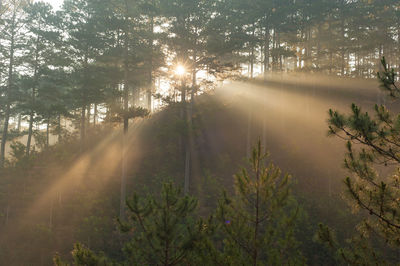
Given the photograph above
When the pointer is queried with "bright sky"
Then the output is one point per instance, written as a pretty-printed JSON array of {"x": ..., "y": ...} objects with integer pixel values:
[{"x": 55, "y": 3}]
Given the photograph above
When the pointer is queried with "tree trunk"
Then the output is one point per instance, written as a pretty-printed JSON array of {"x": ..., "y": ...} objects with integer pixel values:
[
  {"x": 19, "y": 123},
  {"x": 249, "y": 127},
  {"x": 398, "y": 49},
  {"x": 264, "y": 131},
  {"x": 59, "y": 128},
  {"x": 252, "y": 53},
  {"x": 95, "y": 115},
  {"x": 266, "y": 52},
  {"x": 151, "y": 78},
  {"x": 83, "y": 124},
  {"x": 89, "y": 114},
  {"x": 51, "y": 215},
  {"x": 48, "y": 131},
  {"x": 257, "y": 210},
  {"x": 319, "y": 48},
  {"x": 184, "y": 139},
  {"x": 84, "y": 103},
  {"x": 188, "y": 142},
  {"x": 126, "y": 126},
  {"x": 30, "y": 131},
  {"x": 308, "y": 49},
  {"x": 274, "y": 58},
  {"x": 342, "y": 51},
  {"x": 33, "y": 98}
]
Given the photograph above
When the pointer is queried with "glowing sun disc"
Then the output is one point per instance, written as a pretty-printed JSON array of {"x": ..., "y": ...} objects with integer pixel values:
[{"x": 180, "y": 70}]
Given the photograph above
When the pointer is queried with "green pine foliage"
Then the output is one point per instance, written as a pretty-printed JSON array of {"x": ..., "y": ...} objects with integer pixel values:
[
  {"x": 256, "y": 226},
  {"x": 83, "y": 256},
  {"x": 163, "y": 231},
  {"x": 372, "y": 160},
  {"x": 93, "y": 63},
  {"x": 259, "y": 222}
]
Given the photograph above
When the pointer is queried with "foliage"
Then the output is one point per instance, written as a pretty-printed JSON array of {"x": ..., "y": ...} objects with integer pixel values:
[
  {"x": 118, "y": 114},
  {"x": 255, "y": 227},
  {"x": 96, "y": 61},
  {"x": 164, "y": 231},
  {"x": 372, "y": 144},
  {"x": 358, "y": 250},
  {"x": 259, "y": 223},
  {"x": 17, "y": 151},
  {"x": 83, "y": 257},
  {"x": 388, "y": 79}
]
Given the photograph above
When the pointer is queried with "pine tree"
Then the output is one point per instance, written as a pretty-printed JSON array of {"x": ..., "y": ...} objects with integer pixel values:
[
  {"x": 83, "y": 45},
  {"x": 83, "y": 256},
  {"x": 10, "y": 37},
  {"x": 40, "y": 56},
  {"x": 372, "y": 143},
  {"x": 164, "y": 231},
  {"x": 259, "y": 221}
]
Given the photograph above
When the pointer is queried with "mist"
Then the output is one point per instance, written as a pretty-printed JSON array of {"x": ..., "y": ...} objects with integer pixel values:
[{"x": 199, "y": 132}]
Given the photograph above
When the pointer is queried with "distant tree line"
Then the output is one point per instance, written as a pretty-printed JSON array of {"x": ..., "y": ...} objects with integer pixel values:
[{"x": 99, "y": 58}]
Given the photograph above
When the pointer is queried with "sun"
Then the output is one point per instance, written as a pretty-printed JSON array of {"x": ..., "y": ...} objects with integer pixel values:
[{"x": 180, "y": 70}]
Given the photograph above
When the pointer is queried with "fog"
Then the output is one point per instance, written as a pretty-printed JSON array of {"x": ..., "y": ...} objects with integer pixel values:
[{"x": 289, "y": 116}]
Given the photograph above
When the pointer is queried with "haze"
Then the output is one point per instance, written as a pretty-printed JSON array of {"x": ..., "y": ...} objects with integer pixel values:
[{"x": 199, "y": 132}]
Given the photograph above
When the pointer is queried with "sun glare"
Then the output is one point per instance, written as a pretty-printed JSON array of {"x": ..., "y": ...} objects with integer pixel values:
[{"x": 180, "y": 70}]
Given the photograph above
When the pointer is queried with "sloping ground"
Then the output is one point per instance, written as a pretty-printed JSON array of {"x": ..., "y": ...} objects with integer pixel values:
[{"x": 65, "y": 195}]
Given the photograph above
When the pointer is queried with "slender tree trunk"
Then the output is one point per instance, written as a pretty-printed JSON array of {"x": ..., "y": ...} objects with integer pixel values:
[
  {"x": 95, "y": 115},
  {"x": 19, "y": 123},
  {"x": 343, "y": 60},
  {"x": 274, "y": 58},
  {"x": 319, "y": 48},
  {"x": 83, "y": 124},
  {"x": 249, "y": 128},
  {"x": 7, "y": 110},
  {"x": 280, "y": 56},
  {"x": 51, "y": 215},
  {"x": 371, "y": 58},
  {"x": 89, "y": 110},
  {"x": 84, "y": 102},
  {"x": 398, "y": 49},
  {"x": 264, "y": 135},
  {"x": 151, "y": 78},
  {"x": 343, "y": 50},
  {"x": 184, "y": 139},
  {"x": 264, "y": 129},
  {"x": 308, "y": 48},
  {"x": 330, "y": 49},
  {"x": 189, "y": 140},
  {"x": 30, "y": 130},
  {"x": 33, "y": 99},
  {"x": 252, "y": 53},
  {"x": 187, "y": 164},
  {"x": 126, "y": 124},
  {"x": 48, "y": 131},
  {"x": 257, "y": 209},
  {"x": 59, "y": 128}
]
